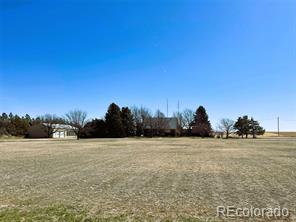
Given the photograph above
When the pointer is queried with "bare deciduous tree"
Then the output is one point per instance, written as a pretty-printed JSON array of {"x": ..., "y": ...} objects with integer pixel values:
[
  {"x": 77, "y": 119},
  {"x": 49, "y": 121},
  {"x": 226, "y": 126},
  {"x": 180, "y": 118},
  {"x": 187, "y": 117},
  {"x": 159, "y": 123},
  {"x": 142, "y": 119}
]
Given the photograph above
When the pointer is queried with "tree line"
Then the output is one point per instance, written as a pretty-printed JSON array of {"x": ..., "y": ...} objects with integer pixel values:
[{"x": 129, "y": 122}]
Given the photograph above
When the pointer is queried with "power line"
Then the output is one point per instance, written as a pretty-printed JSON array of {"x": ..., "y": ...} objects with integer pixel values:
[{"x": 267, "y": 119}]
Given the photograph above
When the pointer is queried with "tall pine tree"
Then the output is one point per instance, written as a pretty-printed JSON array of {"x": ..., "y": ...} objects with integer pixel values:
[
  {"x": 201, "y": 125},
  {"x": 127, "y": 121},
  {"x": 114, "y": 122}
]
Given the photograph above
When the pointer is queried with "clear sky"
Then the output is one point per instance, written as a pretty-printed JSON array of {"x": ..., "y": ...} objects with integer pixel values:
[{"x": 234, "y": 57}]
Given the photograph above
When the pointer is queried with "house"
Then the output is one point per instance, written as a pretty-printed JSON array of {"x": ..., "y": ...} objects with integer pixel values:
[
  {"x": 64, "y": 131},
  {"x": 56, "y": 131},
  {"x": 162, "y": 127}
]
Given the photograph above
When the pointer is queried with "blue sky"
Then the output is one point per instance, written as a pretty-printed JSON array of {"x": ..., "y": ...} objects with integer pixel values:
[{"x": 233, "y": 57}]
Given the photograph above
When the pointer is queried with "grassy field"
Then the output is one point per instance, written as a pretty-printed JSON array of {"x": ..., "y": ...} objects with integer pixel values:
[
  {"x": 182, "y": 179},
  {"x": 282, "y": 134}
]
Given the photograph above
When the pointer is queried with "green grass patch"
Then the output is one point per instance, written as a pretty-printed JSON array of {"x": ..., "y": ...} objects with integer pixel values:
[
  {"x": 61, "y": 213},
  {"x": 51, "y": 213}
]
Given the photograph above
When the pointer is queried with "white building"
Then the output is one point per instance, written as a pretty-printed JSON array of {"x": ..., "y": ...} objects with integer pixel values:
[
  {"x": 62, "y": 131},
  {"x": 59, "y": 131}
]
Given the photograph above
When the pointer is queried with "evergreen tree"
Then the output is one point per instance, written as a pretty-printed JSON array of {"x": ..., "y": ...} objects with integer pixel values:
[
  {"x": 242, "y": 126},
  {"x": 4, "y": 116},
  {"x": 255, "y": 128},
  {"x": 201, "y": 125},
  {"x": 4, "y": 121},
  {"x": 14, "y": 125},
  {"x": 28, "y": 119},
  {"x": 17, "y": 126},
  {"x": 128, "y": 122},
  {"x": 11, "y": 128},
  {"x": 10, "y": 116},
  {"x": 245, "y": 126},
  {"x": 113, "y": 122},
  {"x": 94, "y": 129}
]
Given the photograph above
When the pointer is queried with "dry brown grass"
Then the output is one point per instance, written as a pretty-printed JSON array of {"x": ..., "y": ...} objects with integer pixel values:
[
  {"x": 282, "y": 134},
  {"x": 148, "y": 178}
]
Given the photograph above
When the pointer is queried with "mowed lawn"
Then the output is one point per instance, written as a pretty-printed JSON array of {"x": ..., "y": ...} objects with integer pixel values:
[{"x": 143, "y": 179}]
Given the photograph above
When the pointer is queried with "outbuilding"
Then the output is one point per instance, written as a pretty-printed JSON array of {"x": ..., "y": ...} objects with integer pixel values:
[{"x": 58, "y": 131}]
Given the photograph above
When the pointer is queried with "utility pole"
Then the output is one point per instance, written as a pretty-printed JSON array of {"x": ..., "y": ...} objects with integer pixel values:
[
  {"x": 167, "y": 108},
  {"x": 278, "y": 124},
  {"x": 178, "y": 107}
]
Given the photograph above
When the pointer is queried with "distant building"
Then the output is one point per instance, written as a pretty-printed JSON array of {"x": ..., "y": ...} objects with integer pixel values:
[
  {"x": 60, "y": 131},
  {"x": 162, "y": 127}
]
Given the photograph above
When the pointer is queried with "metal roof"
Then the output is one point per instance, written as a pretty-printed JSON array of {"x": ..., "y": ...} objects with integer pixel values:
[{"x": 61, "y": 126}]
